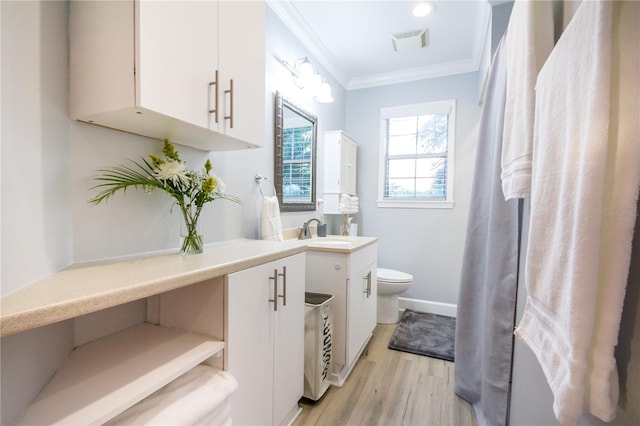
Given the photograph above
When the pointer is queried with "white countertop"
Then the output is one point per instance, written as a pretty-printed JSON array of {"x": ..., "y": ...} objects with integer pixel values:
[{"x": 89, "y": 287}]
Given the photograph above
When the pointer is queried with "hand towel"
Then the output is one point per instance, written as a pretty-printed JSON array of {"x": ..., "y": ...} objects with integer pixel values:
[
  {"x": 185, "y": 401},
  {"x": 529, "y": 40},
  {"x": 270, "y": 224},
  {"x": 584, "y": 166},
  {"x": 219, "y": 416}
]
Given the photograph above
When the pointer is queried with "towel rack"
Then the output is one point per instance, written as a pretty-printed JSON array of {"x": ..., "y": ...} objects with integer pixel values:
[{"x": 259, "y": 179}]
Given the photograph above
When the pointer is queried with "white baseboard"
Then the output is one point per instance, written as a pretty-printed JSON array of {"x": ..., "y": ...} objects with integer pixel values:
[{"x": 428, "y": 306}]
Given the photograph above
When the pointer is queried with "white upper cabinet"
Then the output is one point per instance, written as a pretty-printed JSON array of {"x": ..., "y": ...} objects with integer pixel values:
[
  {"x": 340, "y": 163},
  {"x": 155, "y": 68},
  {"x": 242, "y": 50},
  {"x": 339, "y": 173}
]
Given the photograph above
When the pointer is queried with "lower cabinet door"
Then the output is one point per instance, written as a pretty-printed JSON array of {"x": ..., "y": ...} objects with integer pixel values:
[
  {"x": 362, "y": 310},
  {"x": 289, "y": 339},
  {"x": 249, "y": 339}
]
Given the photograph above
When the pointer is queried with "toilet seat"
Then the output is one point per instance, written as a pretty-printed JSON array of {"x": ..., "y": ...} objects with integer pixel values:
[{"x": 393, "y": 276}]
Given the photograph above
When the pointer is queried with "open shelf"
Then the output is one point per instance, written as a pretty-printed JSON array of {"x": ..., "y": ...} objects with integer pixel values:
[{"x": 103, "y": 378}]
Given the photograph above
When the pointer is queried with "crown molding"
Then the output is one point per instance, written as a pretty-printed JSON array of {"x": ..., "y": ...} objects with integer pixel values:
[
  {"x": 298, "y": 26},
  {"x": 412, "y": 74}
]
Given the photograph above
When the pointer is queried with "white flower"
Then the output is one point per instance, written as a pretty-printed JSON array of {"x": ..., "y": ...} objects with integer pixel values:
[
  {"x": 175, "y": 171},
  {"x": 220, "y": 186}
]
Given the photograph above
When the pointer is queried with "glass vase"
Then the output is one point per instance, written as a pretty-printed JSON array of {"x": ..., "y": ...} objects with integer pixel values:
[{"x": 190, "y": 237}]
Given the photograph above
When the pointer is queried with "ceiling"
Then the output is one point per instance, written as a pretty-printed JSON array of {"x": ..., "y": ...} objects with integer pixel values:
[{"x": 352, "y": 39}]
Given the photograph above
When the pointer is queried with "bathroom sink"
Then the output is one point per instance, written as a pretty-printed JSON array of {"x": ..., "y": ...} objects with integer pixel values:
[
  {"x": 324, "y": 242},
  {"x": 331, "y": 243}
]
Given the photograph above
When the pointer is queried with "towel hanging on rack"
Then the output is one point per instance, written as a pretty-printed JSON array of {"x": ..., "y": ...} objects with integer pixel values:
[{"x": 270, "y": 223}]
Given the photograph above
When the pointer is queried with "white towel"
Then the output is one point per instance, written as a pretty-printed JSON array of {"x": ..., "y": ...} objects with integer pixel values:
[
  {"x": 189, "y": 399},
  {"x": 528, "y": 42},
  {"x": 349, "y": 204},
  {"x": 584, "y": 189},
  {"x": 270, "y": 224},
  {"x": 621, "y": 189}
]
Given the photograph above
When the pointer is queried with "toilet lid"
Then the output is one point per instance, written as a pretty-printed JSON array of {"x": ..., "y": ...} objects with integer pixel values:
[{"x": 393, "y": 276}]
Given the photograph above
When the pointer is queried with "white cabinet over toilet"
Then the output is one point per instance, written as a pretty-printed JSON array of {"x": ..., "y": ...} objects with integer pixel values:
[
  {"x": 167, "y": 69},
  {"x": 265, "y": 340},
  {"x": 339, "y": 171}
]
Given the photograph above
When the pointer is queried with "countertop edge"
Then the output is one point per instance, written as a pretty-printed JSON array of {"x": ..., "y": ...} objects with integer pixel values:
[
  {"x": 18, "y": 315},
  {"x": 38, "y": 316}
]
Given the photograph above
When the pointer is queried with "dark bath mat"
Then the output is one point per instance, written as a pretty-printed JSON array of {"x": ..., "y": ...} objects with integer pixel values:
[{"x": 425, "y": 334}]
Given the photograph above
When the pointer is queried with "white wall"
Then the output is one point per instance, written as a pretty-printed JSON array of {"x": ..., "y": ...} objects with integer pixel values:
[
  {"x": 427, "y": 243},
  {"x": 36, "y": 207}
]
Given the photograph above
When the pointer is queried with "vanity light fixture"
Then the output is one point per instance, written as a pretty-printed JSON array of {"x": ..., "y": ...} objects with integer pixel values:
[{"x": 305, "y": 77}]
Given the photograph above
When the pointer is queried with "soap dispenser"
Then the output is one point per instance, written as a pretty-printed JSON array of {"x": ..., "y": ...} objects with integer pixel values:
[{"x": 346, "y": 225}]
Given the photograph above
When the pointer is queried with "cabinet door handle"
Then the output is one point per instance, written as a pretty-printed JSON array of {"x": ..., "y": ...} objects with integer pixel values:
[
  {"x": 274, "y": 278},
  {"x": 215, "y": 85},
  {"x": 230, "y": 92},
  {"x": 368, "y": 289},
  {"x": 284, "y": 286}
]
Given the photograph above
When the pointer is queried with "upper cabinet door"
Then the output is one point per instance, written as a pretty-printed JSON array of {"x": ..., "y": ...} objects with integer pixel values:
[
  {"x": 348, "y": 166},
  {"x": 176, "y": 58},
  {"x": 340, "y": 163},
  {"x": 242, "y": 52}
]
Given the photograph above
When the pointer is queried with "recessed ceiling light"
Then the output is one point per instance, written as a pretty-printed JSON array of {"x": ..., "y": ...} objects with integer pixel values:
[{"x": 423, "y": 9}]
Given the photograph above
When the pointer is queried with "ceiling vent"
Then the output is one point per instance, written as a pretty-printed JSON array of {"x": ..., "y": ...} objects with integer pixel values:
[{"x": 411, "y": 40}]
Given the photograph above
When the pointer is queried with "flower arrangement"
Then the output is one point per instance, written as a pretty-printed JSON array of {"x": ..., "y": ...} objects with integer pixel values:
[{"x": 190, "y": 189}]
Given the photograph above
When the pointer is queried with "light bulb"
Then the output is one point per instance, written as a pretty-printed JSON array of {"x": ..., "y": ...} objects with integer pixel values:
[
  {"x": 306, "y": 73},
  {"x": 324, "y": 94}
]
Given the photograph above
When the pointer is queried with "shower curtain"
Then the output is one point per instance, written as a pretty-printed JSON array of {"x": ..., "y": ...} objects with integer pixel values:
[{"x": 486, "y": 301}]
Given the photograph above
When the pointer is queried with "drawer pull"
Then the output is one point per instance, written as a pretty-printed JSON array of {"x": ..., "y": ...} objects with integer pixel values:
[
  {"x": 367, "y": 291},
  {"x": 274, "y": 278},
  {"x": 214, "y": 111},
  {"x": 230, "y": 92},
  {"x": 284, "y": 286}
]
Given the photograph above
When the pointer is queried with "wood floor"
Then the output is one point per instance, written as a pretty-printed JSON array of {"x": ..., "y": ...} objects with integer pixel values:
[{"x": 391, "y": 388}]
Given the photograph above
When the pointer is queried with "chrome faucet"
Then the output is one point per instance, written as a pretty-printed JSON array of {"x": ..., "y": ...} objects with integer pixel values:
[{"x": 305, "y": 232}]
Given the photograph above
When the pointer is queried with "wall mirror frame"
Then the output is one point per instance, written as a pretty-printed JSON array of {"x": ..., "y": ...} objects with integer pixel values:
[{"x": 296, "y": 140}]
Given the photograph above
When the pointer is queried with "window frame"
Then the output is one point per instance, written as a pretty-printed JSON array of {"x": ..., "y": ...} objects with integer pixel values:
[{"x": 426, "y": 108}]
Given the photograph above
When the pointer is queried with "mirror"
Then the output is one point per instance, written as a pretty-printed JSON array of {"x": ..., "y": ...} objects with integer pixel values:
[{"x": 296, "y": 133}]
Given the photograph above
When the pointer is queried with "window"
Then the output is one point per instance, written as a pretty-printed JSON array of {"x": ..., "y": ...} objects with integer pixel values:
[
  {"x": 416, "y": 155},
  {"x": 296, "y": 163}
]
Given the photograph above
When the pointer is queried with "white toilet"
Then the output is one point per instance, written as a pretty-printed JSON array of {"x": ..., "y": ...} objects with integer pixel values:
[{"x": 390, "y": 284}]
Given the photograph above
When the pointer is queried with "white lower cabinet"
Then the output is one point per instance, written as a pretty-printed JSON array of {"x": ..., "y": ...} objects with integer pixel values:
[
  {"x": 352, "y": 279},
  {"x": 264, "y": 333}
]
